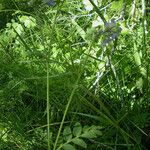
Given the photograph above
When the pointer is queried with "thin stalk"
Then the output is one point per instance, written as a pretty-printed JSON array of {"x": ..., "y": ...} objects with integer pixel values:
[
  {"x": 48, "y": 109},
  {"x": 144, "y": 23},
  {"x": 48, "y": 100},
  {"x": 65, "y": 113},
  {"x": 98, "y": 12}
]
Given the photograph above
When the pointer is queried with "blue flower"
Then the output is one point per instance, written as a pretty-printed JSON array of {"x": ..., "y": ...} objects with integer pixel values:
[{"x": 51, "y": 3}]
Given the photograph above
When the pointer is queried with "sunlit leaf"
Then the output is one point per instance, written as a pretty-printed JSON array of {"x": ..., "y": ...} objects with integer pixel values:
[
  {"x": 28, "y": 21},
  {"x": 139, "y": 83},
  {"x": 117, "y": 5}
]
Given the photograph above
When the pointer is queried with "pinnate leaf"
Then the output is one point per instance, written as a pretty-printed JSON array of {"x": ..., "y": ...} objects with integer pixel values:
[
  {"x": 86, "y": 128},
  {"x": 89, "y": 135},
  {"x": 91, "y": 132},
  {"x": 77, "y": 129},
  {"x": 79, "y": 142},
  {"x": 67, "y": 134},
  {"x": 68, "y": 147}
]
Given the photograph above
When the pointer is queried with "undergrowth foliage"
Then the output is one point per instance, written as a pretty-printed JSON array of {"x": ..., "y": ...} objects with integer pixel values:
[
  {"x": 76, "y": 136},
  {"x": 74, "y": 75}
]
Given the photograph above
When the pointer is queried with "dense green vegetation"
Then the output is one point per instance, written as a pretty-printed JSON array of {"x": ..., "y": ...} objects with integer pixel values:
[{"x": 74, "y": 75}]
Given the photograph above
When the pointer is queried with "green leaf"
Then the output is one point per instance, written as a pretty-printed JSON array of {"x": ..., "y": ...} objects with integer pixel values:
[
  {"x": 90, "y": 34},
  {"x": 89, "y": 135},
  {"x": 79, "y": 142},
  {"x": 137, "y": 58},
  {"x": 77, "y": 129},
  {"x": 79, "y": 29},
  {"x": 86, "y": 128},
  {"x": 68, "y": 147},
  {"x": 98, "y": 132},
  {"x": 67, "y": 134},
  {"x": 143, "y": 72},
  {"x": 28, "y": 21},
  {"x": 139, "y": 83},
  {"x": 91, "y": 132},
  {"x": 117, "y": 5},
  {"x": 125, "y": 30}
]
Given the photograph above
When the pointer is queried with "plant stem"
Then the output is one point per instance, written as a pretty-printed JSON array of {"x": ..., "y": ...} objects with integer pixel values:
[
  {"x": 98, "y": 12},
  {"x": 65, "y": 113},
  {"x": 48, "y": 109}
]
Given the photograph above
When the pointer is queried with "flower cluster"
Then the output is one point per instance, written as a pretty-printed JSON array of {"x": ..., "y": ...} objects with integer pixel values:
[{"x": 111, "y": 32}]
